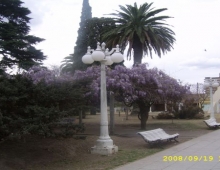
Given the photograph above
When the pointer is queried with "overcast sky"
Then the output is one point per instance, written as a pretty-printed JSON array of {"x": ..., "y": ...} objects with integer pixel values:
[{"x": 196, "y": 23}]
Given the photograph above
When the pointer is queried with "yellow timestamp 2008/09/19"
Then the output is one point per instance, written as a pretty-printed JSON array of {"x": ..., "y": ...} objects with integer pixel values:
[{"x": 188, "y": 158}]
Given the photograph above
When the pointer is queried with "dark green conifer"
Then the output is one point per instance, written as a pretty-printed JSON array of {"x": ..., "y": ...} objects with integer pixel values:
[
  {"x": 90, "y": 32},
  {"x": 82, "y": 39},
  {"x": 16, "y": 46}
]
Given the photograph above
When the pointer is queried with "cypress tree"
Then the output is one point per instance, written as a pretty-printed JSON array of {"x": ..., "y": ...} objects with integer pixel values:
[
  {"x": 82, "y": 39},
  {"x": 89, "y": 33}
]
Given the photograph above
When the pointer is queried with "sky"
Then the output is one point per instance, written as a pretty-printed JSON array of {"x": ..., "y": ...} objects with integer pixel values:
[{"x": 196, "y": 23}]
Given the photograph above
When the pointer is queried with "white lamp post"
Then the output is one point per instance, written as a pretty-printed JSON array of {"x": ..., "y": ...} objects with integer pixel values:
[
  {"x": 104, "y": 144},
  {"x": 211, "y": 83}
]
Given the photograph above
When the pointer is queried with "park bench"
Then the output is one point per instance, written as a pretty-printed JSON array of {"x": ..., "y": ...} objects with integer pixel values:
[
  {"x": 157, "y": 136},
  {"x": 212, "y": 123}
]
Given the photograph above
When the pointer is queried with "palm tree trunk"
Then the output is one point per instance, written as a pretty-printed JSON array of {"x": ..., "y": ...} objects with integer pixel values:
[{"x": 138, "y": 51}]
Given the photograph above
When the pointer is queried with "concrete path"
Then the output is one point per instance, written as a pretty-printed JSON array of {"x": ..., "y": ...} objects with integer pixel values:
[{"x": 201, "y": 153}]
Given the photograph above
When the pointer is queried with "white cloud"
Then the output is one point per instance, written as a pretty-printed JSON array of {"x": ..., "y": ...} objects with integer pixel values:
[{"x": 196, "y": 24}]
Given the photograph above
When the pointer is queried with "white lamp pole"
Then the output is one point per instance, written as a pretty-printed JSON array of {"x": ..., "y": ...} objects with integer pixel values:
[
  {"x": 104, "y": 144},
  {"x": 211, "y": 83}
]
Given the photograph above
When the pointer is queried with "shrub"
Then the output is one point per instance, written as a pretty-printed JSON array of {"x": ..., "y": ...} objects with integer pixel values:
[
  {"x": 189, "y": 110},
  {"x": 200, "y": 115},
  {"x": 34, "y": 108},
  {"x": 165, "y": 115}
]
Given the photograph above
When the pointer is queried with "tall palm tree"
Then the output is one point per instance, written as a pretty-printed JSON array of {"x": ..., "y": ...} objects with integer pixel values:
[{"x": 139, "y": 28}]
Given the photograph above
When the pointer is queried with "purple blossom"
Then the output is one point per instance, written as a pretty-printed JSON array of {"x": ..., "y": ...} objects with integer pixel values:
[
  {"x": 38, "y": 74},
  {"x": 132, "y": 84}
]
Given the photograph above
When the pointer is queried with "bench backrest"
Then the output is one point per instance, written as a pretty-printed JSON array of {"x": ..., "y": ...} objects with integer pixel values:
[
  {"x": 153, "y": 135},
  {"x": 150, "y": 135},
  {"x": 156, "y": 134},
  {"x": 210, "y": 122}
]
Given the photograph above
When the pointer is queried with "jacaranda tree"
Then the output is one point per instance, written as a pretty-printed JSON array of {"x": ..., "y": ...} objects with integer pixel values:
[{"x": 138, "y": 85}]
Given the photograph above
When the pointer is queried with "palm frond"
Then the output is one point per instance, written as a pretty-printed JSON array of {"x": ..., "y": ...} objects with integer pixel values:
[
  {"x": 152, "y": 13},
  {"x": 152, "y": 31}
]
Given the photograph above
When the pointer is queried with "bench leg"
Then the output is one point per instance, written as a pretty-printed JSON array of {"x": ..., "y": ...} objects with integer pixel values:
[
  {"x": 154, "y": 143},
  {"x": 176, "y": 140}
]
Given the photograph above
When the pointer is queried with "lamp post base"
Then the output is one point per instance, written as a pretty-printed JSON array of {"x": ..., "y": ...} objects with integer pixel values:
[
  {"x": 104, "y": 147},
  {"x": 109, "y": 150}
]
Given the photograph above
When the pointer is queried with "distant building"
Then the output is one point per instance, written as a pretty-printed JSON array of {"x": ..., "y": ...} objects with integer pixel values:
[{"x": 216, "y": 96}]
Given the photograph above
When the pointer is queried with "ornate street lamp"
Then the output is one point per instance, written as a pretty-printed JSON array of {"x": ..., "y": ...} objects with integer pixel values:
[
  {"x": 104, "y": 144},
  {"x": 211, "y": 83}
]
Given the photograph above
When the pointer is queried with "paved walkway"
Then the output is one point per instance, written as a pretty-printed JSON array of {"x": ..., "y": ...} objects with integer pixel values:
[{"x": 201, "y": 153}]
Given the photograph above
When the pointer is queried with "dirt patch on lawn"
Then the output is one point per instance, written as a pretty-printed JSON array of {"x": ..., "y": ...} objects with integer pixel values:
[{"x": 74, "y": 154}]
